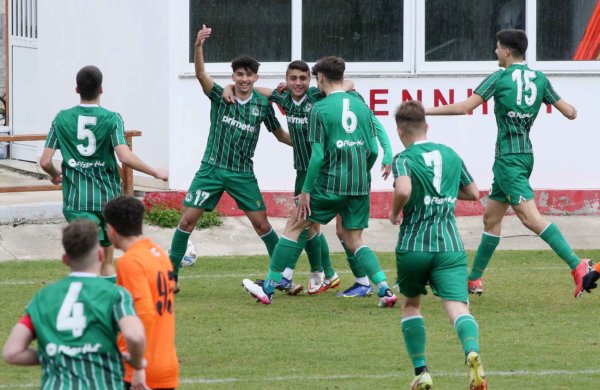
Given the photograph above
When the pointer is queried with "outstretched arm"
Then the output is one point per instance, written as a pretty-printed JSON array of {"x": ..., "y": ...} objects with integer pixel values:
[
  {"x": 461, "y": 108},
  {"x": 205, "y": 80},
  {"x": 127, "y": 157},
  {"x": 566, "y": 109}
]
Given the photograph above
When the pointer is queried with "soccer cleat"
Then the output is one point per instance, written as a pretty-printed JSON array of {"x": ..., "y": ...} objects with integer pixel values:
[
  {"x": 357, "y": 290},
  {"x": 177, "y": 288},
  {"x": 578, "y": 273},
  {"x": 422, "y": 382},
  {"x": 315, "y": 281},
  {"x": 285, "y": 285},
  {"x": 388, "y": 299},
  {"x": 332, "y": 282},
  {"x": 477, "y": 379},
  {"x": 475, "y": 286},
  {"x": 257, "y": 292}
]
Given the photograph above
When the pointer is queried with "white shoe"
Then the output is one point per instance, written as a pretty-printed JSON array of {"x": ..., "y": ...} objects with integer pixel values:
[
  {"x": 315, "y": 281},
  {"x": 257, "y": 292}
]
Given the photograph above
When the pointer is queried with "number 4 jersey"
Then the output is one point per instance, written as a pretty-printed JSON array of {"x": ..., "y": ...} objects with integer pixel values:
[
  {"x": 436, "y": 173},
  {"x": 75, "y": 321},
  {"x": 518, "y": 93},
  {"x": 86, "y": 136},
  {"x": 146, "y": 272}
]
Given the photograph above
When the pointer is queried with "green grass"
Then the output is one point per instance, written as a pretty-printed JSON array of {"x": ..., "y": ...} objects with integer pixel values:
[{"x": 534, "y": 335}]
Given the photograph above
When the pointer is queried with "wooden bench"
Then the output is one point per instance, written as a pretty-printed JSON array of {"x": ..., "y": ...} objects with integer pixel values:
[{"x": 126, "y": 172}]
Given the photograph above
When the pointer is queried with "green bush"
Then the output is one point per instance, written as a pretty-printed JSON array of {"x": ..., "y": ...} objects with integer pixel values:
[{"x": 165, "y": 217}]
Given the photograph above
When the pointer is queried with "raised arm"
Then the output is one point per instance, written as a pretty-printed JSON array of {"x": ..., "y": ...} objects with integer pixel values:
[
  {"x": 566, "y": 109},
  {"x": 461, "y": 108},
  {"x": 205, "y": 80}
]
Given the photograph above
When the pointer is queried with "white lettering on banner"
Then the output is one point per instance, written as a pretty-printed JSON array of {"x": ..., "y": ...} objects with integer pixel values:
[
  {"x": 242, "y": 126},
  {"x": 346, "y": 143},
  {"x": 84, "y": 165},
  {"x": 512, "y": 114},
  {"x": 52, "y": 349},
  {"x": 428, "y": 200}
]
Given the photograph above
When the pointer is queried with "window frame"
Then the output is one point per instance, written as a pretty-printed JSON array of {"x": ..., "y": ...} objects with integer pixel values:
[{"x": 413, "y": 63}]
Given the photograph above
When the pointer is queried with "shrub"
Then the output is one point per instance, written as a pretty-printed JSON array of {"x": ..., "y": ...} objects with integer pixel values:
[{"x": 165, "y": 217}]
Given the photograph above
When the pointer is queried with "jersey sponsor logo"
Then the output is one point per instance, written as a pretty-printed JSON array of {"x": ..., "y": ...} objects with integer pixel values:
[
  {"x": 52, "y": 349},
  {"x": 84, "y": 165},
  {"x": 512, "y": 114},
  {"x": 348, "y": 144},
  {"x": 235, "y": 123},
  {"x": 296, "y": 120},
  {"x": 429, "y": 200}
]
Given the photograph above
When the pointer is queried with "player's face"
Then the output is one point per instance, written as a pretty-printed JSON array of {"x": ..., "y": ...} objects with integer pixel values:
[
  {"x": 244, "y": 79},
  {"x": 297, "y": 82},
  {"x": 501, "y": 53}
]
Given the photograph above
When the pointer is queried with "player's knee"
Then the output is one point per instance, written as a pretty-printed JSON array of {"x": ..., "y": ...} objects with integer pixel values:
[
  {"x": 262, "y": 227},
  {"x": 188, "y": 221}
]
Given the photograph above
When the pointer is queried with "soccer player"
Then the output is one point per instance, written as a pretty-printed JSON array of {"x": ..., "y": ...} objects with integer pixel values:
[
  {"x": 343, "y": 150},
  {"x": 227, "y": 163},
  {"x": 297, "y": 100},
  {"x": 76, "y": 321},
  {"x": 518, "y": 93},
  {"x": 88, "y": 137},
  {"x": 428, "y": 178},
  {"x": 146, "y": 272}
]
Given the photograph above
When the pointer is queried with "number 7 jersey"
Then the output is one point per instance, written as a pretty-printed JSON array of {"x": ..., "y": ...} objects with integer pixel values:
[
  {"x": 518, "y": 93},
  {"x": 86, "y": 136},
  {"x": 436, "y": 173}
]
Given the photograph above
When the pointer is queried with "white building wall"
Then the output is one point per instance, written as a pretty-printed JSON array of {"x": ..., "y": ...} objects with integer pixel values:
[{"x": 141, "y": 48}]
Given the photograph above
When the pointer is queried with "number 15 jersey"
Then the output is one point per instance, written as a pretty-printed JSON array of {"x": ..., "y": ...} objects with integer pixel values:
[{"x": 518, "y": 93}]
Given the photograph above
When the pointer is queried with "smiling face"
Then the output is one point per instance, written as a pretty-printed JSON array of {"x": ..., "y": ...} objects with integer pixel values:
[
  {"x": 298, "y": 82},
  {"x": 244, "y": 80}
]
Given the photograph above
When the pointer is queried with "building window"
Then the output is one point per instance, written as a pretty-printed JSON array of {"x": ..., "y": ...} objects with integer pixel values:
[
  {"x": 568, "y": 30},
  {"x": 464, "y": 30},
  {"x": 356, "y": 30},
  {"x": 260, "y": 29}
]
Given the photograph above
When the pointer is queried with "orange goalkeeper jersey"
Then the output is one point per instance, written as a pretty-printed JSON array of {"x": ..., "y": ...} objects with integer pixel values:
[{"x": 146, "y": 272}]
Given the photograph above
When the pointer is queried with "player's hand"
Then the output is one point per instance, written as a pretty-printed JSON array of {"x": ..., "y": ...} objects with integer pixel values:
[
  {"x": 202, "y": 35},
  {"x": 589, "y": 280},
  {"x": 162, "y": 174},
  {"x": 303, "y": 205},
  {"x": 138, "y": 380},
  {"x": 228, "y": 94},
  {"x": 385, "y": 171},
  {"x": 56, "y": 180},
  {"x": 282, "y": 87},
  {"x": 394, "y": 219}
]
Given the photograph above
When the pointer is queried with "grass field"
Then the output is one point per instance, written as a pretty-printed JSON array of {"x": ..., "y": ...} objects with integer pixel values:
[{"x": 534, "y": 334}]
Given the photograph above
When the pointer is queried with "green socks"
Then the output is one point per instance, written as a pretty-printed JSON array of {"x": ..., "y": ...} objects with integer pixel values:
[
  {"x": 413, "y": 331},
  {"x": 559, "y": 245},
  {"x": 486, "y": 249},
  {"x": 325, "y": 259},
  {"x": 283, "y": 252},
  {"x": 270, "y": 239},
  {"x": 468, "y": 332},
  {"x": 357, "y": 270},
  {"x": 368, "y": 261},
  {"x": 313, "y": 251},
  {"x": 178, "y": 248}
]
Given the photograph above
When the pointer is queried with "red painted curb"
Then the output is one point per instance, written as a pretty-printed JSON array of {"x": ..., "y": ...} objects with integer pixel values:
[{"x": 279, "y": 204}]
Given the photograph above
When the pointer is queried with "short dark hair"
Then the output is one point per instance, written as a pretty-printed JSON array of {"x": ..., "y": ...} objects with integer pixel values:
[
  {"x": 89, "y": 82},
  {"x": 79, "y": 239},
  {"x": 515, "y": 40},
  {"x": 245, "y": 62},
  {"x": 410, "y": 115},
  {"x": 125, "y": 214},
  {"x": 298, "y": 65},
  {"x": 331, "y": 67}
]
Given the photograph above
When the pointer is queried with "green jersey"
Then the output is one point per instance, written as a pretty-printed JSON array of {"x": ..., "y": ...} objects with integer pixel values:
[
  {"x": 234, "y": 130},
  {"x": 76, "y": 325},
  {"x": 86, "y": 136},
  {"x": 342, "y": 123},
  {"x": 518, "y": 94},
  {"x": 297, "y": 114},
  {"x": 436, "y": 173}
]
